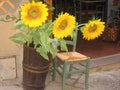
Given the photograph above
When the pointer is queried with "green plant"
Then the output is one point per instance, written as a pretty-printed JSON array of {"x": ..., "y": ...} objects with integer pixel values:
[{"x": 40, "y": 37}]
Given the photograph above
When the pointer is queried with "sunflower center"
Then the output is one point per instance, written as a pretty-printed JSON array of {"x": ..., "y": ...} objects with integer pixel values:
[
  {"x": 92, "y": 28},
  {"x": 33, "y": 12},
  {"x": 63, "y": 24}
]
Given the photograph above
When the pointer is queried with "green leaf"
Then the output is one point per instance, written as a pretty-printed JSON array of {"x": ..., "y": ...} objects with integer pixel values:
[
  {"x": 45, "y": 39},
  {"x": 82, "y": 28},
  {"x": 36, "y": 38},
  {"x": 42, "y": 52},
  {"x": 63, "y": 45},
  {"x": 19, "y": 25},
  {"x": 13, "y": 18},
  {"x": 7, "y": 17},
  {"x": 74, "y": 35},
  {"x": 53, "y": 51},
  {"x": 55, "y": 42},
  {"x": 19, "y": 38},
  {"x": 29, "y": 38},
  {"x": 47, "y": 27},
  {"x": 52, "y": 8}
]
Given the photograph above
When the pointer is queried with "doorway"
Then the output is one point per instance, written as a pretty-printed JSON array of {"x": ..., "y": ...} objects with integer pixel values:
[{"x": 80, "y": 8}]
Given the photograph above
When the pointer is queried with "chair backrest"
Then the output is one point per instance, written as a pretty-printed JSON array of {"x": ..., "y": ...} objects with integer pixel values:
[{"x": 73, "y": 41}]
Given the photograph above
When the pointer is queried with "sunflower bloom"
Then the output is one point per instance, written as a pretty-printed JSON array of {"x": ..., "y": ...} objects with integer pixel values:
[
  {"x": 63, "y": 25},
  {"x": 34, "y": 14},
  {"x": 93, "y": 29}
]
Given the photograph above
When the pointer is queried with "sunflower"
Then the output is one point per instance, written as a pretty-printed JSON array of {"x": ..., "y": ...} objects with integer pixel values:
[
  {"x": 63, "y": 25},
  {"x": 34, "y": 14},
  {"x": 93, "y": 29}
]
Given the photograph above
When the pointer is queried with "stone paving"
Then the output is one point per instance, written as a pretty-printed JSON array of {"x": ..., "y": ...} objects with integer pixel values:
[{"x": 107, "y": 80}]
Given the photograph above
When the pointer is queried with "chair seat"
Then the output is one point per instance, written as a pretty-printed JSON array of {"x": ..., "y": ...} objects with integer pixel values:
[{"x": 71, "y": 56}]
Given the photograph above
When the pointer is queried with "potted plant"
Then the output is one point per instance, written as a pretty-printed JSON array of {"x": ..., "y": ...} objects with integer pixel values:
[
  {"x": 43, "y": 38},
  {"x": 40, "y": 38}
]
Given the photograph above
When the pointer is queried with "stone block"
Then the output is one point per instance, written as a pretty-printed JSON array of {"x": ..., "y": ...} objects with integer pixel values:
[{"x": 7, "y": 68}]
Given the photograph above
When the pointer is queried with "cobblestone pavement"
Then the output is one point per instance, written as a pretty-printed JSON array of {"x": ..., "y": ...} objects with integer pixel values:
[{"x": 107, "y": 80}]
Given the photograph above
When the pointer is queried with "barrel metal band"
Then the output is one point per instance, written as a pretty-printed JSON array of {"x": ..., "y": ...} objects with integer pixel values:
[
  {"x": 33, "y": 70},
  {"x": 28, "y": 66}
]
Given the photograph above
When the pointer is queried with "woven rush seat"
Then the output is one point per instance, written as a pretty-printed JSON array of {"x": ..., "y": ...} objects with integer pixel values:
[{"x": 71, "y": 56}]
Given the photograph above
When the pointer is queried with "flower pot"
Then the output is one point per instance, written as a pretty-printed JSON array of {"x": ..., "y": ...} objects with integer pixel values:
[{"x": 35, "y": 69}]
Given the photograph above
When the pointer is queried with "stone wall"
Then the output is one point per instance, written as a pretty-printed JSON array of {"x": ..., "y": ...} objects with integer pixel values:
[{"x": 11, "y": 54}]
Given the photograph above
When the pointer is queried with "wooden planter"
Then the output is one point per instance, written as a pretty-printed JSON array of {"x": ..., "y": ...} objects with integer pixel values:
[{"x": 35, "y": 69}]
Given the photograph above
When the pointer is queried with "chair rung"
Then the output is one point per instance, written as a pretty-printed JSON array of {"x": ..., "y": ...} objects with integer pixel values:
[
  {"x": 74, "y": 67},
  {"x": 69, "y": 42},
  {"x": 59, "y": 72},
  {"x": 60, "y": 66},
  {"x": 74, "y": 72},
  {"x": 82, "y": 64}
]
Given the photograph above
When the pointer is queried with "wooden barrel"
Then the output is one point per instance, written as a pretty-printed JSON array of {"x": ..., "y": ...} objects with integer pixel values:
[{"x": 35, "y": 69}]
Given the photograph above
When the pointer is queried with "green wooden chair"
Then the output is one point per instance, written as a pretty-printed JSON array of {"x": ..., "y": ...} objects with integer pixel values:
[{"x": 65, "y": 60}]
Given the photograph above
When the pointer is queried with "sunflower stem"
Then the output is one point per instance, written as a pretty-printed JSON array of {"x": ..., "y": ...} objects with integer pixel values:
[
  {"x": 28, "y": 33},
  {"x": 35, "y": 46},
  {"x": 22, "y": 31},
  {"x": 81, "y": 25}
]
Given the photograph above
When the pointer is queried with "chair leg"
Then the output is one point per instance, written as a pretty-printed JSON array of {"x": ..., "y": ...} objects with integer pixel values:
[
  {"x": 64, "y": 75},
  {"x": 87, "y": 74},
  {"x": 54, "y": 69},
  {"x": 70, "y": 69}
]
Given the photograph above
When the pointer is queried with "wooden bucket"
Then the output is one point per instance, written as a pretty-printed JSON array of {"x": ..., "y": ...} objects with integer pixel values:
[{"x": 35, "y": 69}]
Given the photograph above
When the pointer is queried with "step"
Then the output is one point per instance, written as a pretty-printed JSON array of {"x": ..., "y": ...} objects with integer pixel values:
[{"x": 105, "y": 63}]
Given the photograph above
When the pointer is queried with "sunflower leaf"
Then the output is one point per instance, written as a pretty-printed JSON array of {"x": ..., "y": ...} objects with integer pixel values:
[
  {"x": 55, "y": 42},
  {"x": 47, "y": 27},
  {"x": 42, "y": 52},
  {"x": 19, "y": 38},
  {"x": 63, "y": 45},
  {"x": 36, "y": 38},
  {"x": 54, "y": 47},
  {"x": 53, "y": 51},
  {"x": 82, "y": 28},
  {"x": 19, "y": 25}
]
